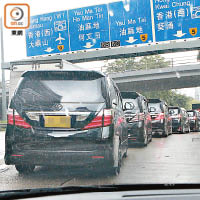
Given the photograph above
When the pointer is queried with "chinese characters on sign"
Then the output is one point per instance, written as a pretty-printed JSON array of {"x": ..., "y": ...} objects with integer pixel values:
[
  {"x": 48, "y": 34},
  {"x": 175, "y": 19},
  {"x": 116, "y": 24},
  {"x": 130, "y": 22},
  {"x": 88, "y": 27}
]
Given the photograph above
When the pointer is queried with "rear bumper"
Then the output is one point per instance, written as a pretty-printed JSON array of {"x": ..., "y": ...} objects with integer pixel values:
[
  {"x": 176, "y": 126},
  {"x": 72, "y": 148},
  {"x": 193, "y": 125},
  {"x": 157, "y": 127},
  {"x": 136, "y": 132},
  {"x": 68, "y": 158}
]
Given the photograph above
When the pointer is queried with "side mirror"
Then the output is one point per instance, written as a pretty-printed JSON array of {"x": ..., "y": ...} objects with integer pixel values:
[
  {"x": 129, "y": 106},
  {"x": 152, "y": 109},
  {"x": 171, "y": 112},
  {"x": 114, "y": 103}
]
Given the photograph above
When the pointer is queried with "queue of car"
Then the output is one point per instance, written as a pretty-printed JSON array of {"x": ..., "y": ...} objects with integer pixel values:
[
  {"x": 180, "y": 119},
  {"x": 80, "y": 117},
  {"x": 161, "y": 121},
  {"x": 194, "y": 117},
  {"x": 66, "y": 118},
  {"x": 138, "y": 118}
]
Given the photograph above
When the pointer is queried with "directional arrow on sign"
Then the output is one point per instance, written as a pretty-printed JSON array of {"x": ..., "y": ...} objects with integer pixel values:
[
  {"x": 49, "y": 49},
  {"x": 131, "y": 40},
  {"x": 179, "y": 34},
  {"x": 88, "y": 45}
]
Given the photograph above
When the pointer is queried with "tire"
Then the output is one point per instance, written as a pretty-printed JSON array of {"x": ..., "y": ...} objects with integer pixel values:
[
  {"x": 197, "y": 130},
  {"x": 114, "y": 171},
  {"x": 146, "y": 139},
  {"x": 25, "y": 169},
  {"x": 183, "y": 130},
  {"x": 165, "y": 132},
  {"x": 171, "y": 132},
  {"x": 150, "y": 138},
  {"x": 126, "y": 153},
  {"x": 188, "y": 130}
]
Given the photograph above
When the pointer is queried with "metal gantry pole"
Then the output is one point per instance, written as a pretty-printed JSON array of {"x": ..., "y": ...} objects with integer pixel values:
[{"x": 4, "y": 106}]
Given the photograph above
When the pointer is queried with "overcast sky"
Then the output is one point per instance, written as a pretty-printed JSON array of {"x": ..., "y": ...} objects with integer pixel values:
[{"x": 14, "y": 46}]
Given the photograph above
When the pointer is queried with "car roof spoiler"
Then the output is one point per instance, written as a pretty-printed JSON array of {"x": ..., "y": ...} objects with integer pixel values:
[
  {"x": 63, "y": 74},
  {"x": 130, "y": 95}
]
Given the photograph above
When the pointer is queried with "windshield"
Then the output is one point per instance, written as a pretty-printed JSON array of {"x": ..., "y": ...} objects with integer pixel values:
[
  {"x": 155, "y": 107},
  {"x": 45, "y": 91},
  {"x": 96, "y": 92},
  {"x": 191, "y": 114},
  {"x": 174, "y": 111}
]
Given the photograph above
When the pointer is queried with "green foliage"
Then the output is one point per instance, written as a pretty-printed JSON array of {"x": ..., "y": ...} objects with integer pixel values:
[
  {"x": 122, "y": 65},
  {"x": 131, "y": 64},
  {"x": 171, "y": 97},
  {"x": 151, "y": 62}
]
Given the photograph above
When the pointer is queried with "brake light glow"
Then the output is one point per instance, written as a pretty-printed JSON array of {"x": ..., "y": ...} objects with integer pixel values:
[
  {"x": 16, "y": 119},
  {"x": 107, "y": 117},
  {"x": 97, "y": 156},
  {"x": 104, "y": 118},
  {"x": 137, "y": 117},
  {"x": 160, "y": 116}
]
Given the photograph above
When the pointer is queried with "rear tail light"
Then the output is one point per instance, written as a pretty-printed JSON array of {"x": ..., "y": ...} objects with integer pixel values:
[
  {"x": 194, "y": 117},
  {"x": 15, "y": 119},
  {"x": 141, "y": 116},
  {"x": 107, "y": 117},
  {"x": 98, "y": 157},
  {"x": 104, "y": 118},
  {"x": 179, "y": 116},
  {"x": 160, "y": 116},
  {"x": 137, "y": 118}
]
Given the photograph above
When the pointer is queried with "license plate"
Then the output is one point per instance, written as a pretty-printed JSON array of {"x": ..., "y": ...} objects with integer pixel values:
[{"x": 57, "y": 122}]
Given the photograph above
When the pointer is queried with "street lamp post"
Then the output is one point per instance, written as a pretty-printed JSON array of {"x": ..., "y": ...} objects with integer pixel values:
[{"x": 3, "y": 75}]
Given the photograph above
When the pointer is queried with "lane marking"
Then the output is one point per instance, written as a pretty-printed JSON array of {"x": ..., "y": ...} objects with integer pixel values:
[{"x": 3, "y": 168}]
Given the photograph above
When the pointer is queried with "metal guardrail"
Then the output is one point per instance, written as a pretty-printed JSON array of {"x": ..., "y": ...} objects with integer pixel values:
[{"x": 184, "y": 60}]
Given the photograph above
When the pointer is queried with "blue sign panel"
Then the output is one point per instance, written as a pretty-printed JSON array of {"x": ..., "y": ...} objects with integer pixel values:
[
  {"x": 48, "y": 34},
  {"x": 88, "y": 27},
  {"x": 130, "y": 22},
  {"x": 176, "y": 19}
]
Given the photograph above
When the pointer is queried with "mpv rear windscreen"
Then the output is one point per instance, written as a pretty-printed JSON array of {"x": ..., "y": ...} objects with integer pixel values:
[{"x": 42, "y": 94}]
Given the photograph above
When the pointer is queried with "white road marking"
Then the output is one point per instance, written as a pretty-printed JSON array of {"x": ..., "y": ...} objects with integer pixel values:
[{"x": 3, "y": 168}]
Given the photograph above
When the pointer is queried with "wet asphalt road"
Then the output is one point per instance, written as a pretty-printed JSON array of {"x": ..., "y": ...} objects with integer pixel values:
[{"x": 175, "y": 159}]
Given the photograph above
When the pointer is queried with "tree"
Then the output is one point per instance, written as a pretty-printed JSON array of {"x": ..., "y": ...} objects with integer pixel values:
[
  {"x": 121, "y": 65},
  {"x": 131, "y": 64},
  {"x": 171, "y": 97},
  {"x": 151, "y": 62}
]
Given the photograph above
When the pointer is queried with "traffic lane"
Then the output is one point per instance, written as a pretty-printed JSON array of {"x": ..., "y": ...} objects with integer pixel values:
[{"x": 175, "y": 159}]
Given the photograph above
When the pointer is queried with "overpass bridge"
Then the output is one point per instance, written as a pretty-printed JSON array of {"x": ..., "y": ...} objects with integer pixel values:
[
  {"x": 183, "y": 72},
  {"x": 176, "y": 77}
]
